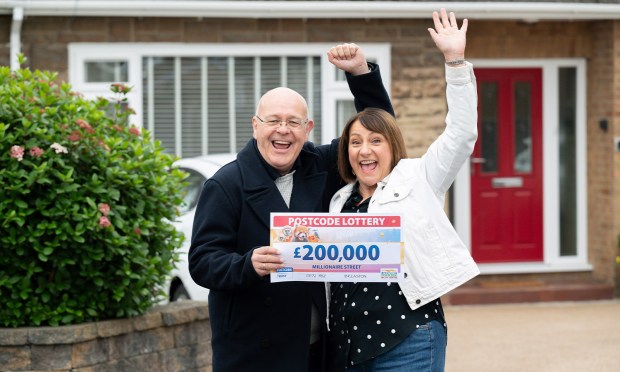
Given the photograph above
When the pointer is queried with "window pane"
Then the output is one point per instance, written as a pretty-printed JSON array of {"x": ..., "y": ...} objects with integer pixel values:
[
  {"x": 488, "y": 127},
  {"x": 163, "y": 102},
  {"x": 217, "y": 101},
  {"x": 568, "y": 163},
  {"x": 315, "y": 100},
  {"x": 244, "y": 99},
  {"x": 191, "y": 107},
  {"x": 523, "y": 128},
  {"x": 344, "y": 110},
  {"x": 106, "y": 72},
  {"x": 296, "y": 74},
  {"x": 269, "y": 74}
]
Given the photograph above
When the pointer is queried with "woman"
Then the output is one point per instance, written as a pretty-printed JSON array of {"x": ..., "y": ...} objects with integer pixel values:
[{"x": 401, "y": 327}]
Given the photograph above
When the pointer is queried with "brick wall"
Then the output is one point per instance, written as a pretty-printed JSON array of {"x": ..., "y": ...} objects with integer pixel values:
[
  {"x": 615, "y": 128},
  {"x": 600, "y": 153},
  {"x": 175, "y": 337}
]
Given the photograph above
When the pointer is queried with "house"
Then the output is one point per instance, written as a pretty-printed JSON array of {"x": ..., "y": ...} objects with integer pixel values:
[{"x": 539, "y": 202}]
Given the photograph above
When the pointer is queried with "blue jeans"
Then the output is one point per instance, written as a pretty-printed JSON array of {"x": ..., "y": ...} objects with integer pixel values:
[{"x": 424, "y": 350}]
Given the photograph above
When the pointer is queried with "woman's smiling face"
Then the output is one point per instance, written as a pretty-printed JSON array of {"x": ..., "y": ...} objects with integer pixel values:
[{"x": 370, "y": 155}]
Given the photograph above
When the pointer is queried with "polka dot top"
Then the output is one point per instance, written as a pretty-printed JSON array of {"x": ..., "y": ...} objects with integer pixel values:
[{"x": 368, "y": 319}]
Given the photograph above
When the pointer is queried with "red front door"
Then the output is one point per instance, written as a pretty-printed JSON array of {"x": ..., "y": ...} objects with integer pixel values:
[{"x": 506, "y": 169}]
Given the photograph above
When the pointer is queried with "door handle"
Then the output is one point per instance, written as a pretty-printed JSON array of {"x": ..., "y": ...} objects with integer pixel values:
[
  {"x": 503, "y": 182},
  {"x": 475, "y": 161}
]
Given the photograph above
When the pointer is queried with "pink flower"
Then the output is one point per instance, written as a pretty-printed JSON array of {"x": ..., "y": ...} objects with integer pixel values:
[
  {"x": 74, "y": 136},
  {"x": 104, "y": 208},
  {"x": 134, "y": 131},
  {"x": 120, "y": 88},
  {"x": 137, "y": 231},
  {"x": 17, "y": 152},
  {"x": 60, "y": 149},
  {"x": 36, "y": 152},
  {"x": 84, "y": 125},
  {"x": 104, "y": 222}
]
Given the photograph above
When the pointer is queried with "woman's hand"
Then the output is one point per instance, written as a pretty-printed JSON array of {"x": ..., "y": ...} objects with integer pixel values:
[{"x": 447, "y": 36}]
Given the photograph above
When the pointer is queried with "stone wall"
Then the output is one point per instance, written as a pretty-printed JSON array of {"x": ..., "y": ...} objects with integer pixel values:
[{"x": 174, "y": 337}]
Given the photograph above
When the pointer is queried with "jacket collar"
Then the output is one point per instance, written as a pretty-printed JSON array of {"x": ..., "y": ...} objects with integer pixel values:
[{"x": 343, "y": 194}]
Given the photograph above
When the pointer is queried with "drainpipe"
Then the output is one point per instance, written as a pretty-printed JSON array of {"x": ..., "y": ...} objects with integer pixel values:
[{"x": 16, "y": 29}]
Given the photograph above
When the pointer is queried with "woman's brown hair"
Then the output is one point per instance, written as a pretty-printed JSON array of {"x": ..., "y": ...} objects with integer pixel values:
[{"x": 378, "y": 121}]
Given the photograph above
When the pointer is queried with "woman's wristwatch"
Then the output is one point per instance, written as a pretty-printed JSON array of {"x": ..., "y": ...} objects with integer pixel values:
[{"x": 456, "y": 62}]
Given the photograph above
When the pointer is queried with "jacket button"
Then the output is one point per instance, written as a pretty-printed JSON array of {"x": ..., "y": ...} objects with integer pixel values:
[
  {"x": 265, "y": 343},
  {"x": 417, "y": 301},
  {"x": 268, "y": 301},
  {"x": 396, "y": 195}
]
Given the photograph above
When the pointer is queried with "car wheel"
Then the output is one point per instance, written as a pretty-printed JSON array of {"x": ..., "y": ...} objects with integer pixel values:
[{"x": 180, "y": 294}]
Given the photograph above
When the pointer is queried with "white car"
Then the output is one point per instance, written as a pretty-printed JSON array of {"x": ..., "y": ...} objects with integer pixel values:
[{"x": 182, "y": 286}]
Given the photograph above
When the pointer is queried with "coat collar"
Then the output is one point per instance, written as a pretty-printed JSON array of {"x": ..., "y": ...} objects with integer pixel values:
[{"x": 263, "y": 196}]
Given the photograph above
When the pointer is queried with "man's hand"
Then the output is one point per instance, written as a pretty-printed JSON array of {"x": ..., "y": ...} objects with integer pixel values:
[
  {"x": 265, "y": 260},
  {"x": 349, "y": 58}
]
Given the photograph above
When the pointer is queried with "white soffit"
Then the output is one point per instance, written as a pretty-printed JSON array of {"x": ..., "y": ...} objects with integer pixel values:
[{"x": 527, "y": 11}]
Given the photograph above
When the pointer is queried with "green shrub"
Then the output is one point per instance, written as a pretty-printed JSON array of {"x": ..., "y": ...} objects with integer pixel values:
[{"x": 84, "y": 205}]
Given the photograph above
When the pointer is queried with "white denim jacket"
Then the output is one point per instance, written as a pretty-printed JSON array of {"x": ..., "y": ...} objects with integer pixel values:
[{"x": 436, "y": 260}]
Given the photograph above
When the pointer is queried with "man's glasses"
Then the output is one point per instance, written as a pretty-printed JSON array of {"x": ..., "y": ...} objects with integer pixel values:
[{"x": 291, "y": 123}]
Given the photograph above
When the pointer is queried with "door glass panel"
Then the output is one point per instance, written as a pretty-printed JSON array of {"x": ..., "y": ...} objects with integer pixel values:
[
  {"x": 488, "y": 127},
  {"x": 523, "y": 128},
  {"x": 568, "y": 162}
]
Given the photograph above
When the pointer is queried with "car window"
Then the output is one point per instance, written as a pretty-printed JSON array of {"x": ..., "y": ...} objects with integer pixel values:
[{"x": 192, "y": 190}]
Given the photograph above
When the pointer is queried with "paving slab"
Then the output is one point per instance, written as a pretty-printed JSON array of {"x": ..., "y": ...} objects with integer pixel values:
[{"x": 546, "y": 336}]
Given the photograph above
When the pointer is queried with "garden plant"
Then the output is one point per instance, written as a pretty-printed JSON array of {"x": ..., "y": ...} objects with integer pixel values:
[{"x": 85, "y": 205}]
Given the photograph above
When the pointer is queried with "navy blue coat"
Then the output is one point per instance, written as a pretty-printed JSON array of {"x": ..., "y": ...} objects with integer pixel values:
[{"x": 257, "y": 325}]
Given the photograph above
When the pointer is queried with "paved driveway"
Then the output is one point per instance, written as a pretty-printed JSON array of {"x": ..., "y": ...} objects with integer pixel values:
[{"x": 558, "y": 336}]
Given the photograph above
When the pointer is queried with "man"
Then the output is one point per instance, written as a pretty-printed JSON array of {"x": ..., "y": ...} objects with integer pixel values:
[{"x": 257, "y": 325}]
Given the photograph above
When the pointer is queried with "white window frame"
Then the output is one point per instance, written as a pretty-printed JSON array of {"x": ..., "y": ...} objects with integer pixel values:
[
  {"x": 332, "y": 90},
  {"x": 552, "y": 261}
]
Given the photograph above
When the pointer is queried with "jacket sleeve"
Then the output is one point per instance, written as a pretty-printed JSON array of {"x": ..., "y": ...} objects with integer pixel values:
[
  {"x": 213, "y": 259},
  {"x": 453, "y": 147},
  {"x": 369, "y": 91}
]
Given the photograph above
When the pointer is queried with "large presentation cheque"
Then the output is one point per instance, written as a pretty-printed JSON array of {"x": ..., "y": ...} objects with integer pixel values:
[{"x": 337, "y": 247}]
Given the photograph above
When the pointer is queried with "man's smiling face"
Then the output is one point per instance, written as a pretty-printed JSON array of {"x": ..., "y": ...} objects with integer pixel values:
[{"x": 280, "y": 144}]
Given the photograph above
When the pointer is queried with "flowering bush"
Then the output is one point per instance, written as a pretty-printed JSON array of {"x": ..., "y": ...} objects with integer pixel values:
[{"x": 84, "y": 206}]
